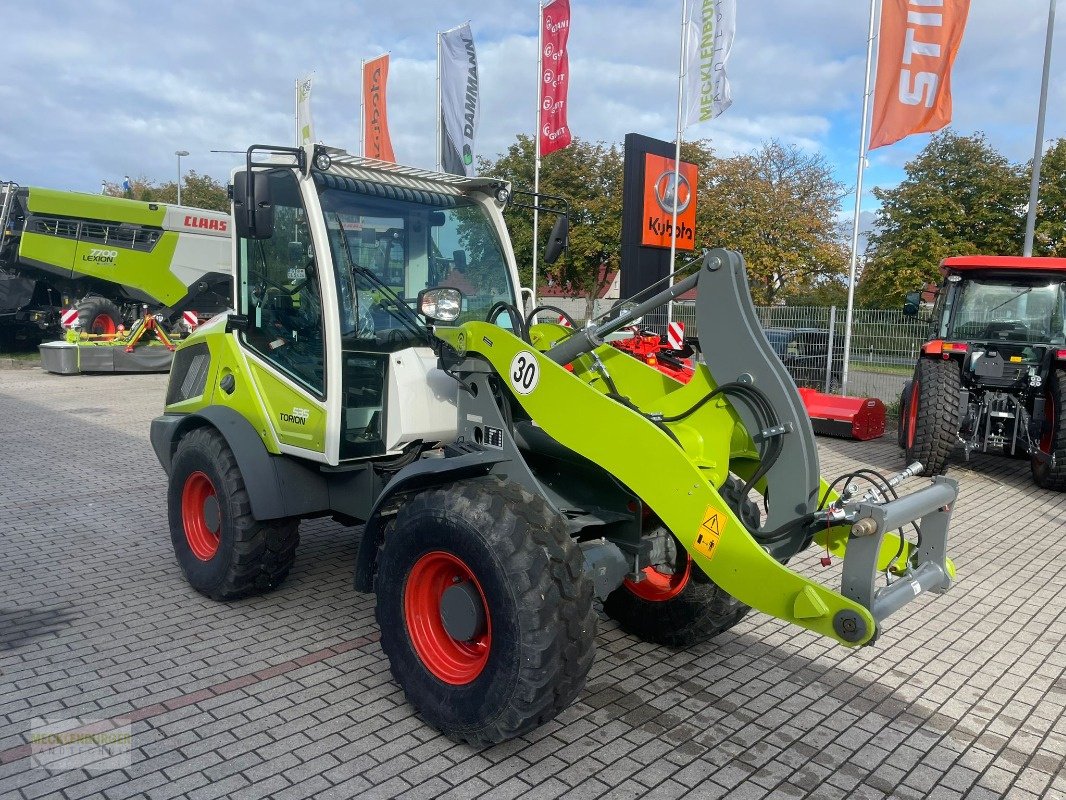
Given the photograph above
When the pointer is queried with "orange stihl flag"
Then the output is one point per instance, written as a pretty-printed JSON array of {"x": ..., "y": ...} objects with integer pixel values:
[
  {"x": 376, "y": 142},
  {"x": 915, "y": 51}
]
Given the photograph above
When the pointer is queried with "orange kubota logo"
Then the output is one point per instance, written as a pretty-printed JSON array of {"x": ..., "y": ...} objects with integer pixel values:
[{"x": 663, "y": 187}]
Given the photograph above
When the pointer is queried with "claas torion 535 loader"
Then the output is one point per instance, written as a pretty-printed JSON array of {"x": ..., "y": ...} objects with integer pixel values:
[{"x": 378, "y": 369}]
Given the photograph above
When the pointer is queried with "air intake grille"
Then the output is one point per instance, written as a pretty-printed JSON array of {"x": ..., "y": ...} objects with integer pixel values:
[{"x": 188, "y": 375}]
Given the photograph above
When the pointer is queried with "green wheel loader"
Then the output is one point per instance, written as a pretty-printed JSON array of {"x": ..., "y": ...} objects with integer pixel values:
[
  {"x": 107, "y": 257},
  {"x": 379, "y": 369}
]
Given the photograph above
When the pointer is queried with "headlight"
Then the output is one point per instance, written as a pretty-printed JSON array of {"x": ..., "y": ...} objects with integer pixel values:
[
  {"x": 1036, "y": 381},
  {"x": 440, "y": 305}
]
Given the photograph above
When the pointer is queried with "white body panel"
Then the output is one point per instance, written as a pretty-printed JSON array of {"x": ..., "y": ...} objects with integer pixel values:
[
  {"x": 421, "y": 400},
  {"x": 203, "y": 242}
]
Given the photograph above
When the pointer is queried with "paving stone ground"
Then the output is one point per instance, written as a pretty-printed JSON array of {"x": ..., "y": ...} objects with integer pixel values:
[{"x": 289, "y": 695}]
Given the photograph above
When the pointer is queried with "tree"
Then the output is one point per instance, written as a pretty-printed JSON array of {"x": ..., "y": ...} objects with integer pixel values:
[
  {"x": 1049, "y": 237},
  {"x": 589, "y": 176},
  {"x": 776, "y": 205},
  {"x": 197, "y": 191},
  {"x": 959, "y": 197}
]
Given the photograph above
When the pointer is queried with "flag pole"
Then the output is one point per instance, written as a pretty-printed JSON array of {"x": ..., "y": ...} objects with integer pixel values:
[
  {"x": 296, "y": 111},
  {"x": 440, "y": 111},
  {"x": 1038, "y": 152},
  {"x": 536, "y": 143},
  {"x": 677, "y": 155},
  {"x": 362, "y": 108},
  {"x": 858, "y": 200}
]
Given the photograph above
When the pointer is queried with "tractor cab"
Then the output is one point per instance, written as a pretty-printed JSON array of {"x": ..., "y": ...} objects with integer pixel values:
[
  {"x": 1001, "y": 317},
  {"x": 332, "y": 253}
]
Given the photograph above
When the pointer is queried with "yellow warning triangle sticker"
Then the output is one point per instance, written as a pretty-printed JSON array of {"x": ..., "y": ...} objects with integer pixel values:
[{"x": 710, "y": 531}]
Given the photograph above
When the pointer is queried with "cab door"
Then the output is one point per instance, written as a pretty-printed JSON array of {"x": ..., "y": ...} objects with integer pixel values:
[{"x": 280, "y": 292}]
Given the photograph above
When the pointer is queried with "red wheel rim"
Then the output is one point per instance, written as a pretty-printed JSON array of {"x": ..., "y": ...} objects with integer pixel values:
[
  {"x": 1047, "y": 438},
  {"x": 104, "y": 324},
  {"x": 201, "y": 536},
  {"x": 453, "y": 661},
  {"x": 660, "y": 586},
  {"x": 912, "y": 415}
]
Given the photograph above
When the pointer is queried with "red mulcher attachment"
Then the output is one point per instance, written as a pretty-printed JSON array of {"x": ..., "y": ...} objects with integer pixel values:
[{"x": 859, "y": 418}]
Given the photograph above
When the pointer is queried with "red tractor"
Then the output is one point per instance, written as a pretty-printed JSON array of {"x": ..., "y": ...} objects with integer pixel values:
[{"x": 992, "y": 376}]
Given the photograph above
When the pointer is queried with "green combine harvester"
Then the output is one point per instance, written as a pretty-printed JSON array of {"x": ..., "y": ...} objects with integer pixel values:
[
  {"x": 379, "y": 368},
  {"x": 102, "y": 266}
]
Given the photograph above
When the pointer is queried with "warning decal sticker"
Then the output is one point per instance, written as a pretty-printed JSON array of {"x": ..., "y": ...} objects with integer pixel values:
[{"x": 710, "y": 532}]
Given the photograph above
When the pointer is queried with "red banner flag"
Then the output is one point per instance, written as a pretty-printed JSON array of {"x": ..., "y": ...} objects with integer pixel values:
[
  {"x": 376, "y": 141},
  {"x": 916, "y": 48},
  {"x": 555, "y": 76}
]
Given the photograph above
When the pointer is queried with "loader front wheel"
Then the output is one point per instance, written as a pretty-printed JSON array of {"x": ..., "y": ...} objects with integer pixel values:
[
  {"x": 1052, "y": 442},
  {"x": 223, "y": 550},
  {"x": 675, "y": 604},
  {"x": 484, "y": 609},
  {"x": 931, "y": 424},
  {"x": 676, "y": 607}
]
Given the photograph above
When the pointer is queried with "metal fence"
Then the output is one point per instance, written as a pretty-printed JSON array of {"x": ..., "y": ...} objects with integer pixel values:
[{"x": 810, "y": 341}]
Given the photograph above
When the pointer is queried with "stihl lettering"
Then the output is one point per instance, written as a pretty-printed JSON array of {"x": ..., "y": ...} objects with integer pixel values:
[{"x": 920, "y": 88}]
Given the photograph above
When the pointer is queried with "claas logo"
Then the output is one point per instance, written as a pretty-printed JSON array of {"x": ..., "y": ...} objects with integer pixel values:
[{"x": 206, "y": 223}]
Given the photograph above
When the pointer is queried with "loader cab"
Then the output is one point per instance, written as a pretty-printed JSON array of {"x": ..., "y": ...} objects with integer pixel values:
[{"x": 328, "y": 281}]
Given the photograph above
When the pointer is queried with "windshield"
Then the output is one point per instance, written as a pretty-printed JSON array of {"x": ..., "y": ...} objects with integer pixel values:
[
  {"x": 1019, "y": 311},
  {"x": 386, "y": 250}
]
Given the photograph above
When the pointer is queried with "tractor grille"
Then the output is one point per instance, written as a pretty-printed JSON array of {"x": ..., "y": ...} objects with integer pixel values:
[{"x": 188, "y": 375}]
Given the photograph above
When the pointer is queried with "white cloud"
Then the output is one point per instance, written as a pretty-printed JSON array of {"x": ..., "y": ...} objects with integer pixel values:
[{"x": 96, "y": 89}]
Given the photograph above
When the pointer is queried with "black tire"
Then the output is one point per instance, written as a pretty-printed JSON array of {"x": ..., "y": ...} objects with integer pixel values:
[
  {"x": 931, "y": 427},
  {"x": 223, "y": 550},
  {"x": 688, "y": 607},
  {"x": 527, "y": 651},
  {"x": 901, "y": 431},
  {"x": 1053, "y": 436},
  {"x": 98, "y": 315}
]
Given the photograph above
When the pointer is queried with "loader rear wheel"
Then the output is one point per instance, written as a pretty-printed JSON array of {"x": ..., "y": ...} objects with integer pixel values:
[
  {"x": 484, "y": 609},
  {"x": 99, "y": 315},
  {"x": 1053, "y": 435},
  {"x": 223, "y": 550},
  {"x": 931, "y": 424},
  {"x": 677, "y": 605}
]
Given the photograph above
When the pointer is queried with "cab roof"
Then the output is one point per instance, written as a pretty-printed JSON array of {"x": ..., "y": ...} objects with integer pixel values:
[{"x": 1022, "y": 263}]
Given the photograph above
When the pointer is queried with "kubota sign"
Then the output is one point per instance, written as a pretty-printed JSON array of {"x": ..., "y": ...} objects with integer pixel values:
[{"x": 661, "y": 183}]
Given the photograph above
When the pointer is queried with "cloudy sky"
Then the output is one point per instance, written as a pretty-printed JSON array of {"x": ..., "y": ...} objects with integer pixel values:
[{"x": 92, "y": 90}]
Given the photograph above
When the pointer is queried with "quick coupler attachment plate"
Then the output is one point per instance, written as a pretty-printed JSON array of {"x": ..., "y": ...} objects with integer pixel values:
[{"x": 872, "y": 549}]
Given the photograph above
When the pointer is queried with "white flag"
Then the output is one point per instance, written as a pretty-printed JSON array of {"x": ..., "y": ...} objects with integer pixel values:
[
  {"x": 460, "y": 107},
  {"x": 709, "y": 38},
  {"x": 304, "y": 127}
]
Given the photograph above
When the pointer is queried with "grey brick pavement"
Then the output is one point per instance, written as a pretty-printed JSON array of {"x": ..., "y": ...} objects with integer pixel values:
[{"x": 963, "y": 696}]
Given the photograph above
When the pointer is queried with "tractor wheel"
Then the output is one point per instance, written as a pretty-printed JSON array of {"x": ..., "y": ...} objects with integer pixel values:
[
  {"x": 901, "y": 420},
  {"x": 1053, "y": 436},
  {"x": 931, "y": 423},
  {"x": 98, "y": 315},
  {"x": 223, "y": 550},
  {"x": 677, "y": 605},
  {"x": 484, "y": 609}
]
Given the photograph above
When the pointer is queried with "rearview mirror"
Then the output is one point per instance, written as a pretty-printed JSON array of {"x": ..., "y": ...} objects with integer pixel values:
[
  {"x": 911, "y": 302},
  {"x": 253, "y": 211},
  {"x": 557, "y": 240}
]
